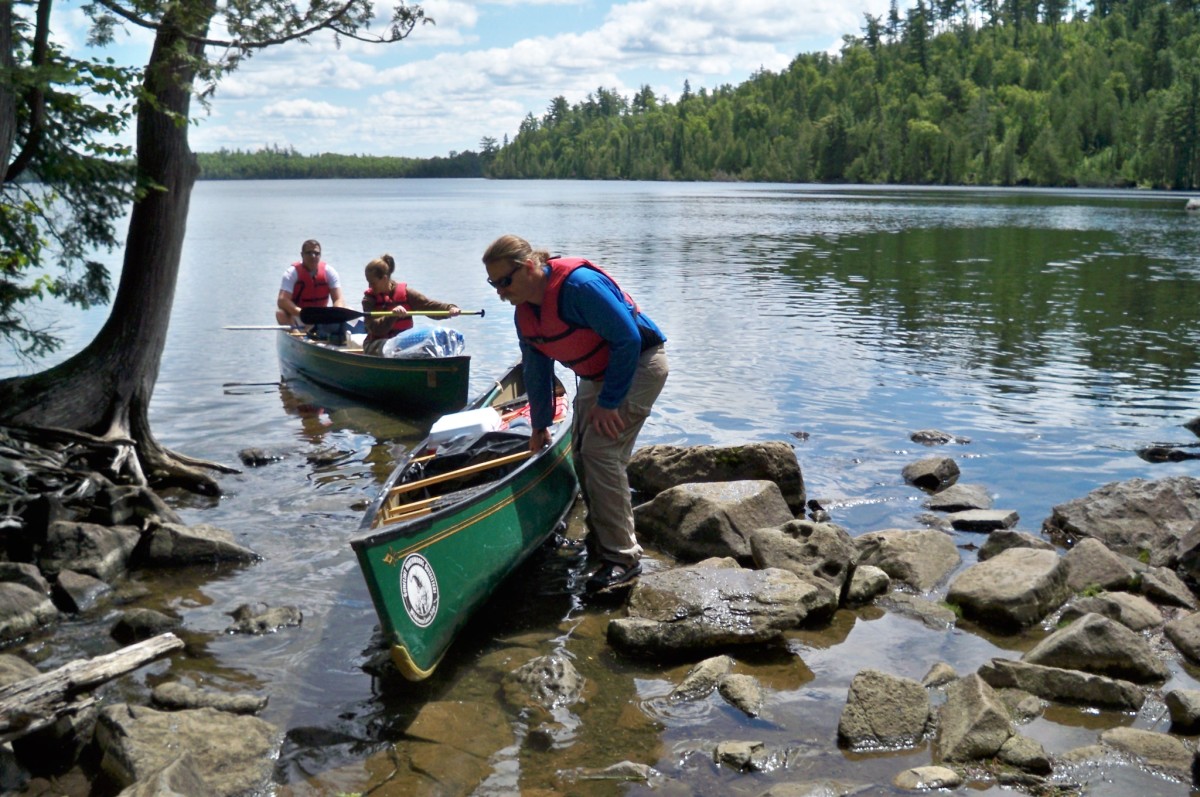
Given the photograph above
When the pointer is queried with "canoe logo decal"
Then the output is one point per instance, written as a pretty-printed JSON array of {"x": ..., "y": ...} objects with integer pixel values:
[{"x": 419, "y": 587}]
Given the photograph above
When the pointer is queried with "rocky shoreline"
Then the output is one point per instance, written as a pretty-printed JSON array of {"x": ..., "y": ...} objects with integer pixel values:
[{"x": 1107, "y": 589}]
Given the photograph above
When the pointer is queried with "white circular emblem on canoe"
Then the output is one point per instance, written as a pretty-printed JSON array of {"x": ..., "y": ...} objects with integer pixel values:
[{"x": 419, "y": 587}]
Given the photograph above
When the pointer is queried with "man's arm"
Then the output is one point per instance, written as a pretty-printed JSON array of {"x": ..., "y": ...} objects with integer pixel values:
[{"x": 287, "y": 306}]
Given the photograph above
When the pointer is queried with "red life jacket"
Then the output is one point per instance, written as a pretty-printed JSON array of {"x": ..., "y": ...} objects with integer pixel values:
[
  {"x": 579, "y": 348},
  {"x": 389, "y": 301},
  {"x": 311, "y": 290}
]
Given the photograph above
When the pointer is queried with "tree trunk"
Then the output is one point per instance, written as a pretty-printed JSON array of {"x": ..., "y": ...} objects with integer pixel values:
[
  {"x": 8, "y": 100},
  {"x": 106, "y": 388}
]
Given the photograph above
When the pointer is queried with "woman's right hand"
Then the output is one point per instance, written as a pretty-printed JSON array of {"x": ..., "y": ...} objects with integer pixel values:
[{"x": 539, "y": 439}]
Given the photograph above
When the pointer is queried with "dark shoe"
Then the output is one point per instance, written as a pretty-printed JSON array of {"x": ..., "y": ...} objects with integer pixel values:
[{"x": 611, "y": 574}]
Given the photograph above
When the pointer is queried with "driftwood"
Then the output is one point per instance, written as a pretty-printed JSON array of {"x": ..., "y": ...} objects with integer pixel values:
[{"x": 35, "y": 703}]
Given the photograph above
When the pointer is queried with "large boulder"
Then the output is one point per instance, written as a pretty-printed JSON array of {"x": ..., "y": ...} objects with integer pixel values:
[
  {"x": 884, "y": 710},
  {"x": 823, "y": 554},
  {"x": 99, "y": 551},
  {"x": 1012, "y": 590},
  {"x": 22, "y": 610},
  {"x": 698, "y": 521},
  {"x": 711, "y": 605},
  {"x": 973, "y": 723},
  {"x": 1099, "y": 645},
  {"x": 175, "y": 545},
  {"x": 920, "y": 558},
  {"x": 653, "y": 469},
  {"x": 1135, "y": 517}
]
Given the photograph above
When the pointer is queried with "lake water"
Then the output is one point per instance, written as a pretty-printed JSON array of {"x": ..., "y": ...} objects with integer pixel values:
[{"x": 1058, "y": 331}]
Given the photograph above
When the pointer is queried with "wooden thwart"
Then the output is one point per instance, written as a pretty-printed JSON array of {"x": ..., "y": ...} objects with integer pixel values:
[{"x": 454, "y": 474}]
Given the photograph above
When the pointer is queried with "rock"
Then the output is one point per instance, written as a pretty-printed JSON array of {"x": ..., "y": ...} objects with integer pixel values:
[
  {"x": 1099, "y": 645},
  {"x": 973, "y": 723},
  {"x": 697, "y": 521},
  {"x": 1092, "y": 564},
  {"x": 549, "y": 681},
  {"x": 14, "y": 668},
  {"x": 936, "y": 437},
  {"x": 959, "y": 498},
  {"x": 1184, "y": 633},
  {"x": 883, "y": 710},
  {"x": 174, "y": 696},
  {"x": 1135, "y": 517},
  {"x": 703, "y": 678},
  {"x": 656, "y": 468},
  {"x": 931, "y": 474},
  {"x": 102, "y": 552},
  {"x": 257, "y": 457},
  {"x": 823, "y": 554},
  {"x": 1184, "y": 707},
  {"x": 866, "y": 584},
  {"x": 983, "y": 519},
  {"x": 1062, "y": 685},
  {"x": 263, "y": 619},
  {"x": 740, "y": 755},
  {"x": 176, "y": 779},
  {"x": 22, "y": 610},
  {"x": 920, "y": 558},
  {"x": 130, "y": 505},
  {"x": 1013, "y": 589},
  {"x": 24, "y": 573},
  {"x": 939, "y": 674},
  {"x": 927, "y": 779},
  {"x": 743, "y": 692},
  {"x": 78, "y": 592},
  {"x": 1025, "y": 754},
  {"x": 1159, "y": 751},
  {"x": 934, "y": 614},
  {"x": 710, "y": 605},
  {"x": 1165, "y": 588},
  {"x": 1132, "y": 611},
  {"x": 232, "y": 755},
  {"x": 176, "y": 545},
  {"x": 1003, "y": 539},
  {"x": 135, "y": 625}
]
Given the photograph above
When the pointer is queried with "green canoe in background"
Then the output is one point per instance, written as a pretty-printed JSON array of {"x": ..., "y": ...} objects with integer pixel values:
[
  {"x": 425, "y": 386},
  {"x": 457, "y": 516}
]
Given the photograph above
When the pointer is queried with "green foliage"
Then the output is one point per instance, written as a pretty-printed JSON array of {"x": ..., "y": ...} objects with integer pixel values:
[
  {"x": 934, "y": 98},
  {"x": 278, "y": 163},
  {"x": 1092, "y": 590}
]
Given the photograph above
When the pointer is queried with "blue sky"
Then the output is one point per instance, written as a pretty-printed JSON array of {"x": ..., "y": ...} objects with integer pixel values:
[{"x": 486, "y": 64}]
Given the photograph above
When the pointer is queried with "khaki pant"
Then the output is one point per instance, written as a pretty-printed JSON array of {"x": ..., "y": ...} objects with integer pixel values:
[{"x": 600, "y": 461}]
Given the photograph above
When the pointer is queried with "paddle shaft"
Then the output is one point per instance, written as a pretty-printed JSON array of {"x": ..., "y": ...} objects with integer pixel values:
[{"x": 337, "y": 315}]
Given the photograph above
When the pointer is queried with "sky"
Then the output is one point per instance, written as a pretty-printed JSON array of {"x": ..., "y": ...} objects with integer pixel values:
[{"x": 484, "y": 65}]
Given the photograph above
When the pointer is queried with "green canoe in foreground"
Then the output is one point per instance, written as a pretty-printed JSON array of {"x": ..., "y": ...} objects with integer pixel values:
[
  {"x": 420, "y": 386},
  {"x": 457, "y": 516}
]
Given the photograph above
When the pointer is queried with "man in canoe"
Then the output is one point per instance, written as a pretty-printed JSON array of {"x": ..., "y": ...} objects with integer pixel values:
[
  {"x": 570, "y": 311},
  {"x": 384, "y": 293},
  {"x": 310, "y": 282}
]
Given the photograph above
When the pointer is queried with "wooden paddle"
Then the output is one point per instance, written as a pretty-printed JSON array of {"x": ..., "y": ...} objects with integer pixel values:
[{"x": 337, "y": 315}]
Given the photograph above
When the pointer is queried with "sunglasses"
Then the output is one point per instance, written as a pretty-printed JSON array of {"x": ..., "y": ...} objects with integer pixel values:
[
  {"x": 314, "y": 253},
  {"x": 504, "y": 281}
]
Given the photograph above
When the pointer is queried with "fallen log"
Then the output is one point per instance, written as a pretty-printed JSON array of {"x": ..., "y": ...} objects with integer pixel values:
[{"x": 34, "y": 703}]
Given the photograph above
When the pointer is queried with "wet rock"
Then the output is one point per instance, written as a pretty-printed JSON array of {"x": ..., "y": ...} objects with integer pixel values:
[
  {"x": 1092, "y": 564},
  {"x": 959, "y": 498},
  {"x": 14, "y": 668},
  {"x": 939, "y": 674},
  {"x": 1063, "y": 685},
  {"x": 697, "y": 521},
  {"x": 548, "y": 681},
  {"x": 934, "y": 614},
  {"x": 741, "y": 755},
  {"x": 1003, "y": 539},
  {"x": 175, "y": 545},
  {"x": 743, "y": 692},
  {"x": 1132, "y": 611},
  {"x": 24, "y": 573},
  {"x": 983, "y": 519},
  {"x": 448, "y": 747},
  {"x": 130, "y": 505},
  {"x": 931, "y": 474},
  {"x": 1184, "y": 708},
  {"x": 1184, "y": 633},
  {"x": 1013, "y": 589},
  {"x": 1099, "y": 645},
  {"x": 137, "y": 624},
  {"x": 1165, "y": 588},
  {"x": 624, "y": 771},
  {"x": 102, "y": 552},
  {"x": 232, "y": 755},
  {"x": 703, "y": 678},
  {"x": 813, "y": 788},
  {"x": 262, "y": 619},
  {"x": 176, "y": 779},
  {"x": 1135, "y": 517},
  {"x": 653, "y": 469},
  {"x": 920, "y": 558},
  {"x": 867, "y": 583},
  {"x": 78, "y": 592},
  {"x": 327, "y": 456},
  {"x": 927, "y": 779},
  {"x": 973, "y": 723},
  {"x": 823, "y": 554},
  {"x": 936, "y": 437},
  {"x": 1159, "y": 751},
  {"x": 257, "y": 457},
  {"x": 710, "y": 605},
  {"x": 174, "y": 696},
  {"x": 1025, "y": 754},
  {"x": 22, "y": 610},
  {"x": 883, "y": 710}
]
